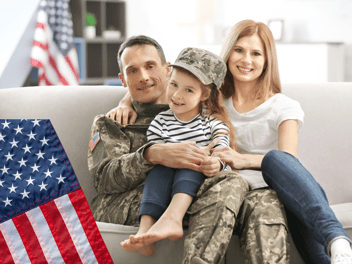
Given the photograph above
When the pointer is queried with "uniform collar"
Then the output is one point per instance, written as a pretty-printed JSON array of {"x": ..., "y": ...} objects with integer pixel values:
[{"x": 148, "y": 109}]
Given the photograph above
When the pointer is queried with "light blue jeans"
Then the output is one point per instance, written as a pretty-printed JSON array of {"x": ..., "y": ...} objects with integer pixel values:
[{"x": 312, "y": 222}]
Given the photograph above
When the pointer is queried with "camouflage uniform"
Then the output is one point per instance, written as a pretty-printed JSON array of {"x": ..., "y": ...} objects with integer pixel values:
[
  {"x": 118, "y": 167},
  {"x": 261, "y": 222}
]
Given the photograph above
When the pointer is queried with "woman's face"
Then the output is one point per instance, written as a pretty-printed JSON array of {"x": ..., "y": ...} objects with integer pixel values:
[{"x": 247, "y": 59}]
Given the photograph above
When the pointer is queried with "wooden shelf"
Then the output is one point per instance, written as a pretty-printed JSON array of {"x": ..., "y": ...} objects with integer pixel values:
[{"x": 100, "y": 52}]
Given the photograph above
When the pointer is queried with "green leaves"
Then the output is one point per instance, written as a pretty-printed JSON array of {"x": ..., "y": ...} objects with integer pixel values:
[{"x": 90, "y": 20}]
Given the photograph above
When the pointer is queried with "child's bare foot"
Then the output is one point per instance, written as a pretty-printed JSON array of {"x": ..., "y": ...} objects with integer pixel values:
[
  {"x": 146, "y": 250},
  {"x": 163, "y": 228}
]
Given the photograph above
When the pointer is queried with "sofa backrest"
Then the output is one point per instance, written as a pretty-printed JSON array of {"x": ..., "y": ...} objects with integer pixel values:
[{"x": 325, "y": 143}]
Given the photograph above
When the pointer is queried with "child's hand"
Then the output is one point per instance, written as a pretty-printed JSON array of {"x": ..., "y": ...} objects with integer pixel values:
[
  {"x": 210, "y": 146},
  {"x": 211, "y": 166}
]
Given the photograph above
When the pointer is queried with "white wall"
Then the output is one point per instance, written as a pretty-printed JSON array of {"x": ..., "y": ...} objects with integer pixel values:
[
  {"x": 182, "y": 23},
  {"x": 17, "y": 20}
]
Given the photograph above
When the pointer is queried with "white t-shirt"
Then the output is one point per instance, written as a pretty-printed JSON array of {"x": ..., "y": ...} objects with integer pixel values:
[{"x": 257, "y": 130}]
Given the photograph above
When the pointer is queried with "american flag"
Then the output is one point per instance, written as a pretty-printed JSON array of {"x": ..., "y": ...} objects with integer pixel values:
[
  {"x": 53, "y": 49},
  {"x": 44, "y": 215}
]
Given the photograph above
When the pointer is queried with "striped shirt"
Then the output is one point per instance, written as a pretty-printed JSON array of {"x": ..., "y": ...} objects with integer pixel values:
[{"x": 167, "y": 128}]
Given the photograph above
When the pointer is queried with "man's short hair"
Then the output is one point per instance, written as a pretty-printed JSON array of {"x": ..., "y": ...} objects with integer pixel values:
[{"x": 139, "y": 40}]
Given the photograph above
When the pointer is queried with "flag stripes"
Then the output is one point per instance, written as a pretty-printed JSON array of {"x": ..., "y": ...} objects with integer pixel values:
[
  {"x": 7, "y": 254},
  {"x": 82, "y": 209},
  {"x": 40, "y": 237},
  {"x": 53, "y": 55},
  {"x": 50, "y": 233}
]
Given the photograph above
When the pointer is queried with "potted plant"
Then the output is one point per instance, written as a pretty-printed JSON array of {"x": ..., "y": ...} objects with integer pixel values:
[{"x": 90, "y": 23}]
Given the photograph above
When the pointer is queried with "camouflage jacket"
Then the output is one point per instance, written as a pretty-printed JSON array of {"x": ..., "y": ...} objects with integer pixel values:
[{"x": 117, "y": 165}]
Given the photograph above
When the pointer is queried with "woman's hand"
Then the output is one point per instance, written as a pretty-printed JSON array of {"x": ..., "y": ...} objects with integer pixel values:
[
  {"x": 210, "y": 167},
  {"x": 236, "y": 160},
  {"x": 123, "y": 114}
]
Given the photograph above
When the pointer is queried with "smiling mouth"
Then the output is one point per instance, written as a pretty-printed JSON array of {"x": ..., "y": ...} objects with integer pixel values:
[
  {"x": 245, "y": 70},
  {"x": 176, "y": 104},
  {"x": 145, "y": 88}
]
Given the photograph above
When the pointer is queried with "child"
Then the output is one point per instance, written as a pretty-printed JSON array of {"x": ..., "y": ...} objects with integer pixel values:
[{"x": 196, "y": 114}]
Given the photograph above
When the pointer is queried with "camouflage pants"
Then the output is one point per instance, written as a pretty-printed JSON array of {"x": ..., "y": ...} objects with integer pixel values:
[
  {"x": 212, "y": 217},
  {"x": 261, "y": 222},
  {"x": 262, "y": 227}
]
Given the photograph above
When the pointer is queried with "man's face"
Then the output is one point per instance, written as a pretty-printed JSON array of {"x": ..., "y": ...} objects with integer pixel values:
[{"x": 144, "y": 74}]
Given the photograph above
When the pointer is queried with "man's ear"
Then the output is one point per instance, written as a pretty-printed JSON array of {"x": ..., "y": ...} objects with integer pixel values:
[
  {"x": 122, "y": 80},
  {"x": 168, "y": 69}
]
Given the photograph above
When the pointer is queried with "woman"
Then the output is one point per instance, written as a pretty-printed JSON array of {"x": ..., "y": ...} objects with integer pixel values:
[{"x": 267, "y": 123}]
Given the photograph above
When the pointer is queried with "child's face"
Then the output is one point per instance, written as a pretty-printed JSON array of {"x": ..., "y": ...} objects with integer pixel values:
[{"x": 185, "y": 93}]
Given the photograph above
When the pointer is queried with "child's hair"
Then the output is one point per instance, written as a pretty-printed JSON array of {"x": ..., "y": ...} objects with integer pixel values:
[{"x": 214, "y": 106}]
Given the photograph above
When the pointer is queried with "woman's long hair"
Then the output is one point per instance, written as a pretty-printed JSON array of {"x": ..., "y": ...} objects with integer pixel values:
[
  {"x": 269, "y": 80},
  {"x": 214, "y": 106}
]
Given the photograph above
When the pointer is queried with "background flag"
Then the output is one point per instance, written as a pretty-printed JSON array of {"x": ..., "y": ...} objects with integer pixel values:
[
  {"x": 54, "y": 52},
  {"x": 44, "y": 215}
]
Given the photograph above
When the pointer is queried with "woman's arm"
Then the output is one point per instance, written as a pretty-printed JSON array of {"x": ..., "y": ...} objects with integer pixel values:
[
  {"x": 236, "y": 160},
  {"x": 123, "y": 113},
  {"x": 288, "y": 136}
]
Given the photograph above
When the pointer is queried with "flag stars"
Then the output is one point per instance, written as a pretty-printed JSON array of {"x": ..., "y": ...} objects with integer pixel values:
[
  {"x": 6, "y": 124},
  {"x": 2, "y": 137},
  {"x": 4, "y": 170},
  {"x": 7, "y": 202},
  {"x": 42, "y": 186},
  {"x": 27, "y": 149},
  {"x": 48, "y": 173},
  {"x": 31, "y": 136},
  {"x": 17, "y": 175},
  {"x": 52, "y": 160},
  {"x": 40, "y": 154},
  {"x": 12, "y": 189},
  {"x": 25, "y": 194},
  {"x": 9, "y": 156},
  {"x": 14, "y": 143},
  {"x": 36, "y": 122},
  {"x": 44, "y": 141},
  {"x": 1, "y": 183},
  {"x": 35, "y": 168},
  {"x": 30, "y": 181},
  {"x": 22, "y": 162},
  {"x": 18, "y": 129},
  {"x": 61, "y": 179}
]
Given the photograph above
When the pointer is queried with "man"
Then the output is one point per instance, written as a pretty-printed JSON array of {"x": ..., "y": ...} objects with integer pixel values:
[{"x": 119, "y": 162}]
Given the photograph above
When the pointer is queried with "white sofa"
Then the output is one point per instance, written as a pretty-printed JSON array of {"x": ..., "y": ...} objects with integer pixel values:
[{"x": 325, "y": 147}]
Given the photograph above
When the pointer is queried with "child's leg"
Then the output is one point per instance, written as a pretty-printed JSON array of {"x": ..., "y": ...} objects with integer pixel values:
[
  {"x": 157, "y": 192},
  {"x": 131, "y": 245},
  {"x": 156, "y": 197},
  {"x": 185, "y": 187}
]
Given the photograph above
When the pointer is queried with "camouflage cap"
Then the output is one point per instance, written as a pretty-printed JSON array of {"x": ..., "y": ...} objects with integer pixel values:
[{"x": 206, "y": 66}]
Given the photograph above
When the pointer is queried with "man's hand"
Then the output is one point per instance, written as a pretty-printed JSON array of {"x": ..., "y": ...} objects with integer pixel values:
[
  {"x": 210, "y": 166},
  {"x": 176, "y": 155},
  {"x": 208, "y": 148},
  {"x": 123, "y": 114}
]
